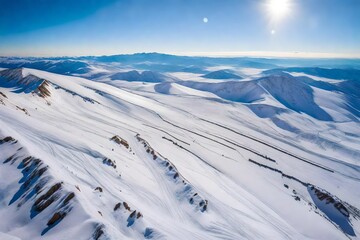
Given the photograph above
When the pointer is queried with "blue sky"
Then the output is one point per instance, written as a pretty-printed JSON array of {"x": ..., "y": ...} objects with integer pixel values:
[{"x": 102, "y": 27}]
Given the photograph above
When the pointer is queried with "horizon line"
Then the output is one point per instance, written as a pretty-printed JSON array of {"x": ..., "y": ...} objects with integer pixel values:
[{"x": 234, "y": 54}]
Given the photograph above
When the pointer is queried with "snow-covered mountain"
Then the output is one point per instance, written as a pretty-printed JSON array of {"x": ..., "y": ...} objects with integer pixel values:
[
  {"x": 273, "y": 156},
  {"x": 145, "y": 76},
  {"x": 221, "y": 74}
]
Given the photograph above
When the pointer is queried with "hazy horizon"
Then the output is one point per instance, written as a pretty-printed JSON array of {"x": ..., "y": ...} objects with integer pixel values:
[
  {"x": 270, "y": 28},
  {"x": 270, "y": 55}
]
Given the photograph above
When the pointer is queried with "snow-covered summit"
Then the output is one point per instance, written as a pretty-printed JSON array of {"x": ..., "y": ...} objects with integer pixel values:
[
  {"x": 145, "y": 76},
  {"x": 221, "y": 74}
]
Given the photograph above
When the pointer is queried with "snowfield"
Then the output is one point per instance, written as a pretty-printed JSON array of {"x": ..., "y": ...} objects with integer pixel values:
[{"x": 273, "y": 156}]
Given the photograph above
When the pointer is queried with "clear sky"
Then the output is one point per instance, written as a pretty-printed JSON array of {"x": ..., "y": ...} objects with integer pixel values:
[{"x": 193, "y": 27}]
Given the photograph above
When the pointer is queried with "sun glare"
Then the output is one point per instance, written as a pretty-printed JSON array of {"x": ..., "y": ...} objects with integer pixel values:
[{"x": 278, "y": 8}]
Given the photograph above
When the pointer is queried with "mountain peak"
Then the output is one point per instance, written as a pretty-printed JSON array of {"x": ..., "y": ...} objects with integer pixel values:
[{"x": 222, "y": 74}]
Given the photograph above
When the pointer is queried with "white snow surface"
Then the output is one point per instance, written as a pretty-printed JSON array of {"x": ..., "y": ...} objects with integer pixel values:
[{"x": 256, "y": 162}]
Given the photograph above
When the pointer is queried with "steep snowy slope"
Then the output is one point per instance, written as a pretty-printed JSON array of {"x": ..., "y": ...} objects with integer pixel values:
[
  {"x": 59, "y": 65},
  {"x": 333, "y": 73},
  {"x": 325, "y": 101},
  {"x": 294, "y": 94},
  {"x": 88, "y": 160},
  {"x": 244, "y": 91}
]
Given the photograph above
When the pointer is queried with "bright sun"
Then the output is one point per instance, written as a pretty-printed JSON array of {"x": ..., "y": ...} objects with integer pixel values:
[{"x": 278, "y": 8}]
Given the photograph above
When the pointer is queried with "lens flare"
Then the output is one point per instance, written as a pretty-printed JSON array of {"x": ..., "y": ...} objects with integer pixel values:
[{"x": 278, "y": 8}]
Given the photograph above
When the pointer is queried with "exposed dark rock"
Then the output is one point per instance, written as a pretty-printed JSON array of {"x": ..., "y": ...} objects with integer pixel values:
[
  {"x": 26, "y": 161},
  {"x": 46, "y": 199},
  {"x": 58, "y": 216},
  {"x": 69, "y": 197},
  {"x": 126, "y": 206},
  {"x": 109, "y": 162},
  {"x": 43, "y": 89},
  {"x": 117, "y": 206},
  {"x": 324, "y": 196},
  {"x": 40, "y": 185},
  {"x": 2, "y": 94},
  {"x": 7, "y": 139},
  {"x": 49, "y": 193},
  {"x": 120, "y": 141},
  {"x": 204, "y": 208},
  {"x": 9, "y": 159},
  {"x": 99, "y": 231},
  {"x": 139, "y": 215},
  {"x": 34, "y": 174},
  {"x": 99, "y": 189},
  {"x": 23, "y": 109},
  {"x": 133, "y": 214}
]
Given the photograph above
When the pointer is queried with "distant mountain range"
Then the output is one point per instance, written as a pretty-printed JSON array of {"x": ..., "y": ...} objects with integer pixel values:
[
  {"x": 222, "y": 74},
  {"x": 154, "y": 146}
]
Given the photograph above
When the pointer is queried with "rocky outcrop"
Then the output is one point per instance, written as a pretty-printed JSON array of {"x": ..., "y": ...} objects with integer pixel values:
[
  {"x": 3, "y": 95},
  {"x": 187, "y": 190},
  {"x": 109, "y": 162},
  {"x": 46, "y": 199},
  {"x": 126, "y": 206},
  {"x": 120, "y": 141},
  {"x": 38, "y": 187},
  {"x": 99, "y": 231},
  {"x": 117, "y": 206},
  {"x": 322, "y": 195},
  {"x": 320, "y": 198},
  {"x": 43, "y": 89},
  {"x": 7, "y": 139},
  {"x": 23, "y": 109},
  {"x": 124, "y": 211}
]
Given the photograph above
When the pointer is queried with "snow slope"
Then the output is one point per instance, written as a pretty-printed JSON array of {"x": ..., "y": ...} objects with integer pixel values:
[{"x": 89, "y": 160}]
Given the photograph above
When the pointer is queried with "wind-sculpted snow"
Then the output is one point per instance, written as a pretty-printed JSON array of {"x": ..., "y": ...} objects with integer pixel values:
[{"x": 267, "y": 157}]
